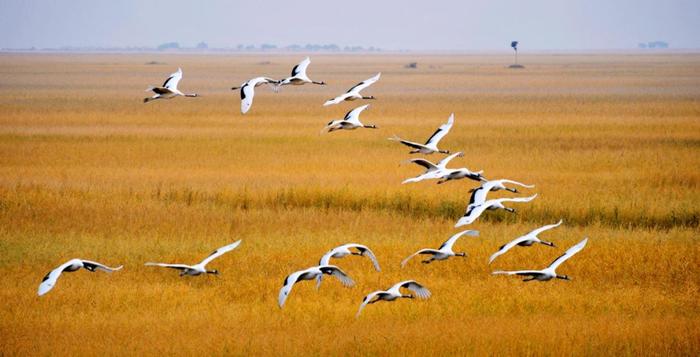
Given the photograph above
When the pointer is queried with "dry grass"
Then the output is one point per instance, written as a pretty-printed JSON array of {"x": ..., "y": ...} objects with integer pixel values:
[{"x": 86, "y": 170}]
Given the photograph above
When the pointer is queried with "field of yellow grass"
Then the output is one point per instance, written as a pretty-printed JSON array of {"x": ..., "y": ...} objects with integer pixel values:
[{"x": 611, "y": 141}]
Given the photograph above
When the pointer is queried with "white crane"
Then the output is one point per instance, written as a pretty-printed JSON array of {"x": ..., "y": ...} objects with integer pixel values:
[
  {"x": 474, "y": 211},
  {"x": 351, "y": 121},
  {"x": 394, "y": 293},
  {"x": 310, "y": 274},
  {"x": 248, "y": 91},
  {"x": 354, "y": 92},
  {"x": 440, "y": 171},
  {"x": 431, "y": 145},
  {"x": 70, "y": 266},
  {"x": 478, "y": 195},
  {"x": 299, "y": 76},
  {"x": 169, "y": 89},
  {"x": 200, "y": 268},
  {"x": 526, "y": 240},
  {"x": 343, "y": 251},
  {"x": 445, "y": 251},
  {"x": 549, "y": 272}
]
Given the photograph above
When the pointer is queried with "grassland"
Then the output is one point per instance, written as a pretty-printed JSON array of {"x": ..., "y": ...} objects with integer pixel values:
[{"x": 612, "y": 143}]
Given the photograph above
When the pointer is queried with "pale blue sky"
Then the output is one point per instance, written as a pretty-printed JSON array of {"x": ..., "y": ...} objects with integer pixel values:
[{"x": 407, "y": 24}]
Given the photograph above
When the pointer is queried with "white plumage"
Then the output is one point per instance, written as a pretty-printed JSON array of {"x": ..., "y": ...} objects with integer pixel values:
[
  {"x": 354, "y": 92},
  {"x": 199, "y": 268},
  {"x": 310, "y": 274},
  {"x": 169, "y": 88},
  {"x": 70, "y": 266},
  {"x": 549, "y": 272},
  {"x": 299, "y": 76},
  {"x": 474, "y": 211},
  {"x": 351, "y": 121},
  {"x": 526, "y": 240},
  {"x": 247, "y": 90},
  {"x": 394, "y": 293},
  {"x": 445, "y": 251},
  {"x": 431, "y": 145},
  {"x": 344, "y": 251}
]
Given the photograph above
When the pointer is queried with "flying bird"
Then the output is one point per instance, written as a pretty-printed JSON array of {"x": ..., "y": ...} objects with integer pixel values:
[
  {"x": 351, "y": 121},
  {"x": 354, "y": 92},
  {"x": 343, "y": 251},
  {"x": 431, "y": 145},
  {"x": 474, "y": 211},
  {"x": 299, "y": 76},
  {"x": 526, "y": 240},
  {"x": 433, "y": 171},
  {"x": 445, "y": 251},
  {"x": 394, "y": 293},
  {"x": 478, "y": 195},
  {"x": 549, "y": 272},
  {"x": 310, "y": 274},
  {"x": 169, "y": 89},
  {"x": 70, "y": 266},
  {"x": 200, "y": 268},
  {"x": 248, "y": 91}
]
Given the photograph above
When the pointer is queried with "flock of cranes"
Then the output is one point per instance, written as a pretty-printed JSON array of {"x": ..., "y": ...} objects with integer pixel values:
[{"x": 477, "y": 206}]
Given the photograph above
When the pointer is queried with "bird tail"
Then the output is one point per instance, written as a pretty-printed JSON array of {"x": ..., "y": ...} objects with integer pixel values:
[{"x": 150, "y": 88}]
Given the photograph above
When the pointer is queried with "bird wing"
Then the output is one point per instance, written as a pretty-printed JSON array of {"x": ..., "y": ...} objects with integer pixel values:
[
  {"x": 568, "y": 254},
  {"x": 516, "y": 183},
  {"x": 408, "y": 143},
  {"x": 92, "y": 266},
  {"x": 247, "y": 94},
  {"x": 48, "y": 282},
  {"x": 367, "y": 300},
  {"x": 419, "y": 289},
  {"x": 514, "y": 199},
  {"x": 450, "y": 242},
  {"x": 289, "y": 282},
  {"x": 441, "y": 131},
  {"x": 506, "y": 247},
  {"x": 336, "y": 272},
  {"x": 443, "y": 163},
  {"x": 364, "y": 84},
  {"x": 301, "y": 67},
  {"x": 335, "y": 100},
  {"x": 479, "y": 195},
  {"x": 365, "y": 251},
  {"x": 544, "y": 228},
  {"x": 330, "y": 125},
  {"x": 219, "y": 252},
  {"x": 172, "y": 266},
  {"x": 425, "y": 163},
  {"x": 354, "y": 115},
  {"x": 422, "y": 251},
  {"x": 173, "y": 80},
  {"x": 473, "y": 212},
  {"x": 517, "y": 272}
]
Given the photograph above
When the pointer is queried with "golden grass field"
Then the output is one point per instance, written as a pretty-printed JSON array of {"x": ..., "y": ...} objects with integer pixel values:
[{"x": 611, "y": 141}]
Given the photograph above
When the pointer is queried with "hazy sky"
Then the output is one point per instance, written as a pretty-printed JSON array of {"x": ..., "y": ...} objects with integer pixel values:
[{"x": 407, "y": 24}]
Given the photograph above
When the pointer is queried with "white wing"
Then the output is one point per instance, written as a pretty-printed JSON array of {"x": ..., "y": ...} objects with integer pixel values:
[
  {"x": 354, "y": 115},
  {"x": 92, "y": 266},
  {"x": 247, "y": 94},
  {"x": 568, "y": 254},
  {"x": 545, "y": 228},
  {"x": 364, "y": 84},
  {"x": 172, "y": 266},
  {"x": 50, "y": 279},
  {"x": 367, "y": 300},
  {"x": 443, "y": 163},
  {"x": 473, "y": 212},
  {"x": 516, "y": 183},
  {"x": 336, "y": 100},
  {"x": 336, "y": 272},
  {"x": 514, "y": 199},
  {"x": 412, "y": 285},
  {"x": 429, "y": 166},
  {"x": 217, "y": 253},
  {"x": 517, "y": 272},
  {"x": 506, "y": 247},
  {"x": 407, "y": 143},
  {"x": 441, "y": 131},
  {"x": 173, "y": 80},
  {"x": 289, "y": 282},
  {"x": 301, "y": 67},
  {"x": 422, "y": 251},
  {"x": 365, "y": 251},
  {"x": 451, "y": 242},
  {"x": 325, "y": 259}
]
